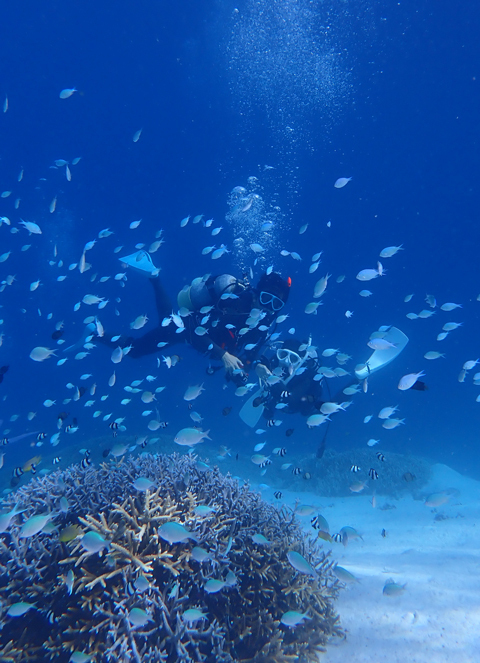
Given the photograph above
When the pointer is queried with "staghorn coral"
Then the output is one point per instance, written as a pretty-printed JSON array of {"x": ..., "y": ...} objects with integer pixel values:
[{"x": 241, "y": 622}]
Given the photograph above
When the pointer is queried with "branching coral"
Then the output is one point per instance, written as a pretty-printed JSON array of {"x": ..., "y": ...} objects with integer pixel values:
[
  {"x": 127, "y": 599},
  {"x": 330, "y": 474}
]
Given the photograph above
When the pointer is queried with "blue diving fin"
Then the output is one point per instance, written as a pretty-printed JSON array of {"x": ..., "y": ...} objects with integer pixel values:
[
  {"x": 88, "y": 331},
  {"x": 141, "y": 262}
]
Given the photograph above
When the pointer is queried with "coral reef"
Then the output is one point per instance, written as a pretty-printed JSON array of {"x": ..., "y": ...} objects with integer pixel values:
[
  {"x": 330, "y": 476},
  {"x": 190, "y": 567}
]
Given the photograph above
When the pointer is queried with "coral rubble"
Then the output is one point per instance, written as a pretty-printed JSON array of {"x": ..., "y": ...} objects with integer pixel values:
[{"x": 159, "y": 576}]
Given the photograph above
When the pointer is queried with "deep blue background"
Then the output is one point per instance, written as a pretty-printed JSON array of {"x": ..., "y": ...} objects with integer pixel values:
[{"x": 407, "y": 131}]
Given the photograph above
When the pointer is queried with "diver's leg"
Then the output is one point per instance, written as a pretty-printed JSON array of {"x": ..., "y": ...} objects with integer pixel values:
[
  {"x": 146, "y": 344},
  {"x": 162, "y": 300},
  {"x": 143, "y": 345}
]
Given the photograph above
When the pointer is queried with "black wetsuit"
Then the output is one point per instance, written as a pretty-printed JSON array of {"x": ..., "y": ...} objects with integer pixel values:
[
  {"x": 303, "y": 393},
  {"x": 219, "y": 338}
]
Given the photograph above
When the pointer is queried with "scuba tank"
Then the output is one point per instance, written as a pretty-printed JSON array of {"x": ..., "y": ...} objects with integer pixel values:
[{"x": 206, "y": 292}]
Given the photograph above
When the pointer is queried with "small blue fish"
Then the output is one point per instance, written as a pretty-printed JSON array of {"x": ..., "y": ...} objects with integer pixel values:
[{"x": 393, "y": 589}]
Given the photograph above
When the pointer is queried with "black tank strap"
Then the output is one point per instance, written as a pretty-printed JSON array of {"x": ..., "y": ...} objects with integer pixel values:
[{"x": 210, "y": 285}]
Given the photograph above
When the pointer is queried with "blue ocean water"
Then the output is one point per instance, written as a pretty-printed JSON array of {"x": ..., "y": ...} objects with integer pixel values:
[{"x": 315, "y": 91}]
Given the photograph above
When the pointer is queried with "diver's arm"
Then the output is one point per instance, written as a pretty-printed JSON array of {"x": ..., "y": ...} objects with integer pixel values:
[{"x": 205, "y": 344}]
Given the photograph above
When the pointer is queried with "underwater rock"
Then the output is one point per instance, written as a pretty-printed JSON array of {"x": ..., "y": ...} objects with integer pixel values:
[{"x": 85, "y": 598}]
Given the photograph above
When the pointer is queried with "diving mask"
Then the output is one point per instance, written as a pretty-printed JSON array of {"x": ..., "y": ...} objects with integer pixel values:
[
  {"x": 269, "y": 299},
  {"x": 289, "y": 358}
]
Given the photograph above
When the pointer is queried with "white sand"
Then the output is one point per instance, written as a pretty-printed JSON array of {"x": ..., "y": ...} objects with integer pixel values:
[{"x": 437, "y": 618}]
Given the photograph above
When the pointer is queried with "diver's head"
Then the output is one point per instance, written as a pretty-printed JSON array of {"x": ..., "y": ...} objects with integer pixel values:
[
  {"x": 273, "y": 291},
  {"x": 289, "y": 360}
]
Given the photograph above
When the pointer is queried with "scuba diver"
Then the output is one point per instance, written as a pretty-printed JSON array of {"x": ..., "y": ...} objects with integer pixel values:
[
  {"x": 291, "y": 385},
  {"x": 291, "y": 381},
  {"x": 220, "y": 315},
  {"x": 244, "y": 315}
]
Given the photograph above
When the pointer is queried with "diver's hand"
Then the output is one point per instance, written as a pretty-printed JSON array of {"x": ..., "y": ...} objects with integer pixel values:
[{"x": 231, "y": 363}]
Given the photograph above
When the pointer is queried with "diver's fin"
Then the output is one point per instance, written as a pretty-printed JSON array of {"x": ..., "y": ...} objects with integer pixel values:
[
  {"x": 381, "y": 358},
  {"x": 249, "y": 413},
  {"x": 141, "y": 262},
  {"x": 88, "y": 331}
]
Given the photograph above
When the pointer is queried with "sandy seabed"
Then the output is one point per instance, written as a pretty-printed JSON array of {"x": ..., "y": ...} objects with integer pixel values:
[{"x": 435, "y": 551}]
